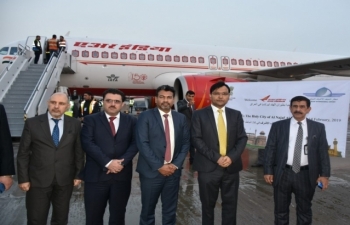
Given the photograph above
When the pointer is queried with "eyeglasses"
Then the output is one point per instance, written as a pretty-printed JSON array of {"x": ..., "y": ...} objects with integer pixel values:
[
  {"x": 110, "y": 101},
  {"x": 221, "y": 94}
]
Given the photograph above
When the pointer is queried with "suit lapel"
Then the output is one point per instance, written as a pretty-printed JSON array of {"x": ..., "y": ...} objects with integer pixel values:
[
  {"x": 158, "y": 118},
  {"x": 228, "y": 121},
  {"x": 105, "y": 122},
  {"x": 66, "y": 129},
  {"x": 176, "y": 122},
  {"x": 211, "y": 119},
  {"x": 44, "y": 124}
]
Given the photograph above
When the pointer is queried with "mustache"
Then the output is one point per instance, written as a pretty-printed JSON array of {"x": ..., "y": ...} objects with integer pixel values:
[{"x": 297, "y": 112}]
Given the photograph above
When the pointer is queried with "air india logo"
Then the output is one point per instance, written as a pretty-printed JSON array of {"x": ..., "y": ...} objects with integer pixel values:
[
  {"x": 136, "y": 78},
  {"x": 112, "y": 78}
]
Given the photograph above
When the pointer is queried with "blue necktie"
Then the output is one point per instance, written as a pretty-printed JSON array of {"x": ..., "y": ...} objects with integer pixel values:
[{"x": 56, "y": 132}]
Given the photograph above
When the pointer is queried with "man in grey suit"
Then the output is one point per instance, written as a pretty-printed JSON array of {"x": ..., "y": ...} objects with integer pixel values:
[
  {"x": 296, "y": 159},
  {"x": 49, "y": 160},
  {"x": 218, "y": 135},
  {"x": 186, "y": 106},
  {"x": 163, "y": 140}
]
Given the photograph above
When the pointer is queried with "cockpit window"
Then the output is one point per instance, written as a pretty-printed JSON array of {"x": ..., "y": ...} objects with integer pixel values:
[
  {"x": 4, "y": 50},
  {"x": 13, "y": 51}
]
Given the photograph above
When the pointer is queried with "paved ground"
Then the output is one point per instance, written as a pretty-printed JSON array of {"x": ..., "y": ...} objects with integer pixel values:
[{"x": 255, "y": 205}]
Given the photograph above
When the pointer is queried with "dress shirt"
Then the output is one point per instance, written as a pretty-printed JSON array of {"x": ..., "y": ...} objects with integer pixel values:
[
  {"x": 216, "y": 114},
  {"x": 171, "y": 129},
  {"x": 116, "y": 126},
  {"x": 52, "y": 124},
  {"x": 293, "y": 131}
]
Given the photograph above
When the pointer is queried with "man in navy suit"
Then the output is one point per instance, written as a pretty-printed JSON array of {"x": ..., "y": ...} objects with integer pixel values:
[
  {"x": 218, "y": 135},
  {"x": 163, "y": 140},
  {"x": 108, "y": 139},
  {"x": 296, "y": 165}
]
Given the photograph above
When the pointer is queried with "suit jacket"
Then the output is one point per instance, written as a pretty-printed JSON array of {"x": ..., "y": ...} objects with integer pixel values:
[
  {"x": 151, "y": 142},
  {"x": 184, "y": 109},
  {"x": 7, "y": 165},
  {"x": 206, "y": 141},
  {"x": 37, "y": 44},
  {"x": 101, "y": 146},
  {"x": 39, "y": 161},
  {"x": 276, "y": 150}
]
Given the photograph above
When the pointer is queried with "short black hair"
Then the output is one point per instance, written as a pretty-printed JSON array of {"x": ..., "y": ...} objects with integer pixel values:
[
  {"x": 114, "y": 92},
  {"x": 166, "y": 88},
  {"x": 54, "y": 36},
  {"x": 189, "y": 92},
  {"x": 217, "y": 85},
  {"x": 299, "y": 99},
  {"x": 88, "y": 93}
]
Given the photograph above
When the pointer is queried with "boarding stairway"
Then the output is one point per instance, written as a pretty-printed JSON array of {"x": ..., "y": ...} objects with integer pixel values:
[{"x": 26, "y": 87}]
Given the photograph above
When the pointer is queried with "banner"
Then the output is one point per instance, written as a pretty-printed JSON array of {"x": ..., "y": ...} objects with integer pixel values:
[{"x": 262, "y": 103}]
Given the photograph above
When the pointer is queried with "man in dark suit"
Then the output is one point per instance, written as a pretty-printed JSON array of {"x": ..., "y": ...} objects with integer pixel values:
[
  {"x": 296, "y": 159},
  {"x": 186, "y": 106},
  {"x": 49, "y": 160},
  {"x": 163, "y": 140},
  {"x": 108, "y": 138},
  {"x": 218, "y": 135},
  {"x": 7, "y": 167}
]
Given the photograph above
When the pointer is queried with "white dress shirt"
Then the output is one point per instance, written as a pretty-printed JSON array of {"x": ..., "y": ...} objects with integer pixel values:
[
  {"x": 293, "y": 131},
  {"x": 172, "y": 132},
  {"x": 216, "y": 114}
]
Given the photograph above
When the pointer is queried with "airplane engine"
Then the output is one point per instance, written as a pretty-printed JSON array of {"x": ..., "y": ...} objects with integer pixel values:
[{"x": 200, "y": 84}]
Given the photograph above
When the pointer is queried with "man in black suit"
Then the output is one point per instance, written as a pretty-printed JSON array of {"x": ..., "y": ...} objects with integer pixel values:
[
  {"x": 219, "y": 138},
  {"x": 108, "y": 138},
  {"x": 163, "y": 140},
  {"x": 49, "y": 160},
  {"x": 7, "y": 167},
  {"x": 296, "y": 159},
  {"x": 186, "y": 106}
]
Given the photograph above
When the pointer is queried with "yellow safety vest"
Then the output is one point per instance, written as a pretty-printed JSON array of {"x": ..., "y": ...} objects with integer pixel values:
[
  {"x": 69, "y": 112},
  {"x": 91, "y": 107}
]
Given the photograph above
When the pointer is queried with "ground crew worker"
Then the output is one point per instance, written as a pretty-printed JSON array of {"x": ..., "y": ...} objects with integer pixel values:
[
  {"x": 52, "y": 45},
  {"x": 88, "y": 106},
  {"x": 62, "y": 43},
  {"x": 131, "y": 104}
]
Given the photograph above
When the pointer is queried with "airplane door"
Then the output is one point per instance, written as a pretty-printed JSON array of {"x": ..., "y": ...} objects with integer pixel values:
[
  {"x": 225, "y": 65},
  {"x": 213, "y": 62}
]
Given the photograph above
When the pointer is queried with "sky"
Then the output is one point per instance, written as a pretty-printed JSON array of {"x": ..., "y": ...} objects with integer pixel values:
[{"x": 314, "y": 26}]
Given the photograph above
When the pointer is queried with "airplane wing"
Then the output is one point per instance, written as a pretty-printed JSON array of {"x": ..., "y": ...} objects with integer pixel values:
[{"x": 336, "y": 67}]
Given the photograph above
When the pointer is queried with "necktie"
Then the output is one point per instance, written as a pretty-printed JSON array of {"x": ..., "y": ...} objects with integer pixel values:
[
  {"x": 56, "y": 132},
  {"x": 111, "y": 124},
  {"x": 297, "y": 150},
  {"x": 167, "y": 137},
  {"x": 222, "y": 133}
]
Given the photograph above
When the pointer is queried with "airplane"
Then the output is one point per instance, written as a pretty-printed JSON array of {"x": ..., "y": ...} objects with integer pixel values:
[{"x": 138, "y": 68}]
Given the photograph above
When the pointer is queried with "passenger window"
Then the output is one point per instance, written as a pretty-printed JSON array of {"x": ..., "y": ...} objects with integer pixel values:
[
  {"x": 255, "y": 63},
  {"x": 201, "y": 60},
  {"x": 233, "y": 62},
  {"x": 262, "y": 63},
  {"x": 176, "y": 58},
  {"x": 276, "y": 64},
  {"x": 269, "y": 63},
  {"x": 104, "y": 55},
  {"x": 114, "y": 55},
  {"x": 241, "y": 62},
  {"x": 248, "y": 62},
  {"x": 95, "y": 54}
]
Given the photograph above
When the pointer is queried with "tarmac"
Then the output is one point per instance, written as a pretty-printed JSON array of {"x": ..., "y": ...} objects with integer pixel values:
[{"x": 255, "y": 198}]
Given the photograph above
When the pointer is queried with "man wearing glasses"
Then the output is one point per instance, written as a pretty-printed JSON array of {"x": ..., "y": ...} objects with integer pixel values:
[
  {"x": 109, "y": 142},
  {"x": 163, "y": 139},
  {"x": 218, "y": 135}
]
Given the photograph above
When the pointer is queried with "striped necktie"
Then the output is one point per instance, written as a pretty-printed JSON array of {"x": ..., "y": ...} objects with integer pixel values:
[{"x": 297, "y": 149}]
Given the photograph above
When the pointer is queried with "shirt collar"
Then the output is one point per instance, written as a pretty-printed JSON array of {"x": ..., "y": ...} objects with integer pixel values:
[
  {"x": 51, "y": 117},
  {"x": 118, "y": 115},
  {"x": 294, "y": 121},
  {"x": 215, "y": 109},
  {"x": 162, "y": 113}
]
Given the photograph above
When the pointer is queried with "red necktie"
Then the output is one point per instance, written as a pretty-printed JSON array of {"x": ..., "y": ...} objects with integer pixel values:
[
  {"x": 167, "y": 137},
  {"x": 111, "y": 124}
]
